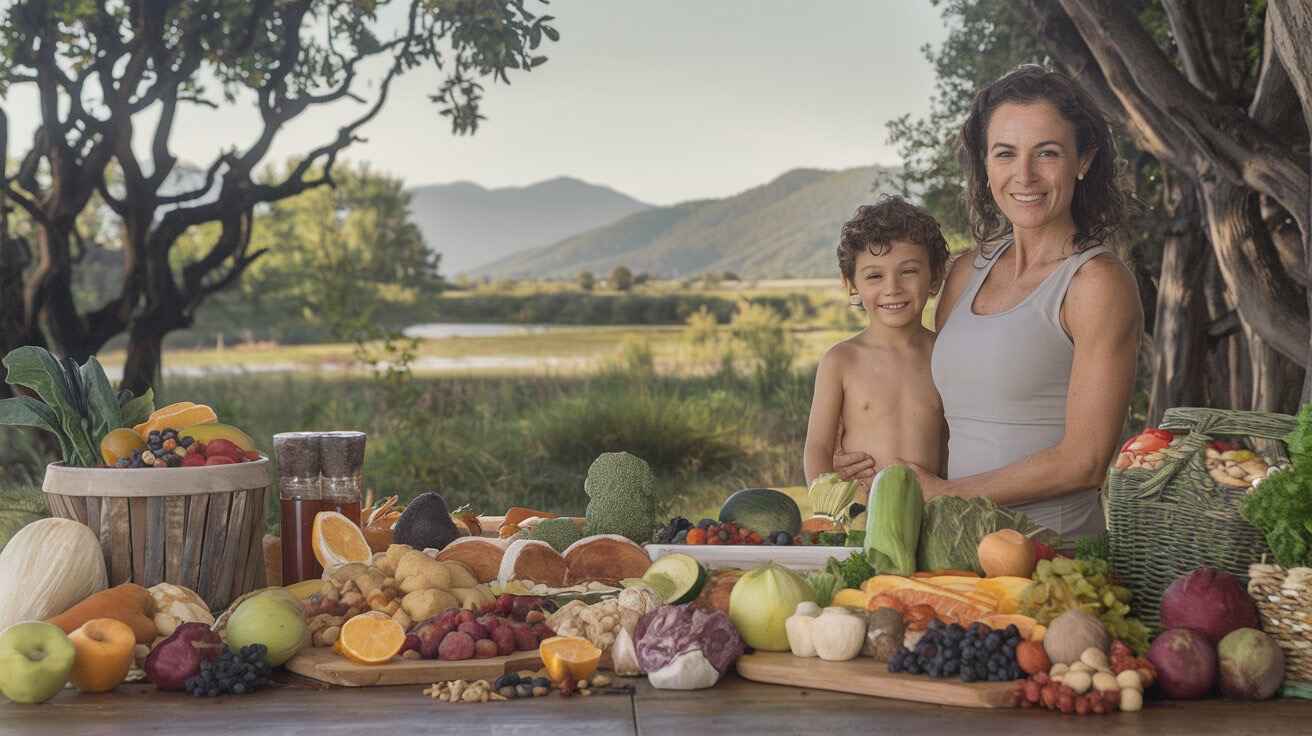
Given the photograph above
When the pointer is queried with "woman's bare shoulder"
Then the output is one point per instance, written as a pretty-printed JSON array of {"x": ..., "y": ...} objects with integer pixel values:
[{"x": 1104, "y": 290}]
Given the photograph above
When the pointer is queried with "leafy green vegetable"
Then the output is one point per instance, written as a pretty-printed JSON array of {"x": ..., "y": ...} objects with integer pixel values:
[
  {"x": 856, "y": 538},
  {"x": 1281, "y": 507},
  {"x": 949, "y": 538},
  {"x": 853, "y": 571},
  {"x": 79, "y": 407},
  {"x": 135, "y": 410},
  {"x": 825, "y": 585},
  {"x": 893, "y": 520},
  {"x": 1092, "y": 548}
]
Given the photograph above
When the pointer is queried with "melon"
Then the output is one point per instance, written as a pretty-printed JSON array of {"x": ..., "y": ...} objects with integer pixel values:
[
  {"x": 763, "y": 510},
  {"x": 529, "y": 559},
  {"x": 604, "y": 558}
]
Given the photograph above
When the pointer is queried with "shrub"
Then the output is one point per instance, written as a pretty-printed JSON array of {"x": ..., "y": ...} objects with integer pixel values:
[{"x": 621, "y": 278}]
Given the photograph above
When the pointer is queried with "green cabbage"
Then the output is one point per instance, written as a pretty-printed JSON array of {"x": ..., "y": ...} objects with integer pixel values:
[
  {"x": 949, "y": 537},
  {"x": 893, "y": 521},
  {"x": 762, "y": 599}
]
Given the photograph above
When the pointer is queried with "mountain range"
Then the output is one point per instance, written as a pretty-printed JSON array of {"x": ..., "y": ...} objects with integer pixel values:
[
  {"x": 471, "y": 225},
  {"x": 787, "y": 227}
]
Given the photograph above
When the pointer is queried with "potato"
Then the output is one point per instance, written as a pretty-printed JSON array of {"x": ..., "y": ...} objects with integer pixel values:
[
  {"x": 470, "y": 598},
  {"x": 422, "y": 604},
  {"x": 417, "y": 571},
  {"x": 461, "y": 577}
]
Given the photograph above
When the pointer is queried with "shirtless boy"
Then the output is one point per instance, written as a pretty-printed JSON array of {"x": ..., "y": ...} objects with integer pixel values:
[{"x": 873, "y": 391}]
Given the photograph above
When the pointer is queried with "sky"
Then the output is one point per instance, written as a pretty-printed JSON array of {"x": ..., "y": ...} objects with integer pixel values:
[{"x": 664, "y": 100}]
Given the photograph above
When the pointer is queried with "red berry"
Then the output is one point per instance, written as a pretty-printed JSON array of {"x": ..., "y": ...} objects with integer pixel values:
[
  {"x": 219, "y": 460},
  {"x": 252, "y": 455},
  {"x": 224, "y": 447},
  {"x": 193, "y": 459}
]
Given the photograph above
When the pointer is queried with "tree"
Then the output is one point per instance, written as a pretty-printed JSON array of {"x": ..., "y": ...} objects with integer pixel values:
[
  {"x": 334, "y": 254},
  {"x": 586, "y": 280},
  {"x": 621, "y": 278},
  {"x": 104, "y": 70},
  {"x": 1216, "y": 130}
]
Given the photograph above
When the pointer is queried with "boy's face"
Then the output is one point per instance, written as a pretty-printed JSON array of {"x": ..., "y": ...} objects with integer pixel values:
[{"x": 894, "y": 286}]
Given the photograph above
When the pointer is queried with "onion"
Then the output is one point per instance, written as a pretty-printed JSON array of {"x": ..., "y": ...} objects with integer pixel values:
[
  {"x": 1209, "y": 601},
  {"x": 1185, "y": 662}
]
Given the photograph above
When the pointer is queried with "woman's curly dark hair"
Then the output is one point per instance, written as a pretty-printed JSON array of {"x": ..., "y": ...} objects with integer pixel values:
[
  {"x": 874, "y": 227},
  {"x": 1099, "y": 204}
]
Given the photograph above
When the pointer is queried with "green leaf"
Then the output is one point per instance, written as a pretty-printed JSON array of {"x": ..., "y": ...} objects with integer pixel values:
[
  {"x": 138, "y": 410},
  {"x": 101, "y": 400},
  {"x": 36, "y": 369},
  {"x": 25, "y": 411}
]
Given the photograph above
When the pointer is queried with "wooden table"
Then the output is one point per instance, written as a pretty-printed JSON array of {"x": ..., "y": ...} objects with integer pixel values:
[{"x": 733, "y": 707}]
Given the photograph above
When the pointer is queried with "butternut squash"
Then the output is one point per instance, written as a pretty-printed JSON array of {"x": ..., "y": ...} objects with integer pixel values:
[
  {"x": 48, "y": 566},
  {"x": 129, "y": 603}
]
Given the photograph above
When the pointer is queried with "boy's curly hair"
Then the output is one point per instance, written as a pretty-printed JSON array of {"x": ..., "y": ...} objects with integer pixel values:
[{"x": 874, "y": 227}]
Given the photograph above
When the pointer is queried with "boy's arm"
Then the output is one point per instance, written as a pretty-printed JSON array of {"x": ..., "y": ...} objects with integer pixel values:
[{"x": 826, "y": 410}]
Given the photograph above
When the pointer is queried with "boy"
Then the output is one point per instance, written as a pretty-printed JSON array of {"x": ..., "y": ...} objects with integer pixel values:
[{"x": 873, "y": 391}]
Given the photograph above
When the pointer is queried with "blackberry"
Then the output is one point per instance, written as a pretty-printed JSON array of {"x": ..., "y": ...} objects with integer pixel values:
[{"x": 235, "y": 673}]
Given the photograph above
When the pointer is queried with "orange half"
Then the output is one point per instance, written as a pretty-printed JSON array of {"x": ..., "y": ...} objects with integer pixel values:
[
  {"x": 569, "y": 657},
  {"x": 370, "y": 639},
  {"x": 336, "y": 540}
]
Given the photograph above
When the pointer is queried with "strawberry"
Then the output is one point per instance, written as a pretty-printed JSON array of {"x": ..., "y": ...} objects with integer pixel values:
[
  {"x": 219, "y": 459},
  {"x": 193, "y": 459},
  {"x": 224, "y": 447}
]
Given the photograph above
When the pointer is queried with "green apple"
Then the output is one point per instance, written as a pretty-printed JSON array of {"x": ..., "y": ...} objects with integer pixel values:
[{"x": 35, "y": 661}]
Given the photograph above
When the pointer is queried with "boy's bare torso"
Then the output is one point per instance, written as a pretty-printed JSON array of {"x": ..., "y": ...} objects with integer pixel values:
[{"x": 891, "y": 408}]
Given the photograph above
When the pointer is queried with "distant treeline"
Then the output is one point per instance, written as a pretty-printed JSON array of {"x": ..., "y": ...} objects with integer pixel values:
[{"x": 238, "y": 320}]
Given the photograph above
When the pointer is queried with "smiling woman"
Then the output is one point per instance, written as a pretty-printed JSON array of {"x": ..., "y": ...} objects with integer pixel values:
[{"x": 1038, "y": 326}]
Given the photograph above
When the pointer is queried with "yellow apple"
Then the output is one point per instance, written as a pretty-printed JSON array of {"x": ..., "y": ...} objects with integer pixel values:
[{"x": 104, "y": 654}]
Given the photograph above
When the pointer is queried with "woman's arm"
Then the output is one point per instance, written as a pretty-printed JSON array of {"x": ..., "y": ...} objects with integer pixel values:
[
  {"x": 1103, "y": 315},
  {"x": 826, "y": 409},
  {"x": 955, "y": 283}
]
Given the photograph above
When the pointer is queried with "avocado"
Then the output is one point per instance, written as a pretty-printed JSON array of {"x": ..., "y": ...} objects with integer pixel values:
[{"x": 425, "y": 523}]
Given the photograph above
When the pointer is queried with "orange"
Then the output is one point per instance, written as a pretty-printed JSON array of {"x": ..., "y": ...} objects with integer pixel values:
[
  {"x": 569, "y": 657},
  {"x": 118, "y": 444},
  {"x": 370, "y": 639},
  {"x": 187, "y": 416},
  {"x": 336, "y": 539}
]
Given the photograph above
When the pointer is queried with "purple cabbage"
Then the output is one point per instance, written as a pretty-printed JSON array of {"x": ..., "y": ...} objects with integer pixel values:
[{"x": 665, "y": 633}]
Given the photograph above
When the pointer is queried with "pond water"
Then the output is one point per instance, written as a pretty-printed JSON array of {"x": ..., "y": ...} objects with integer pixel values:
[{"x": 442, "y": 330}]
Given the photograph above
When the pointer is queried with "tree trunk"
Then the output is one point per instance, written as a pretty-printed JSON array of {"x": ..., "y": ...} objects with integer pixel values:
[
  {"x": 1180, "y": 324},
  {"x": 142, "y": 369},
  {"x": 1254, "y": 276}
]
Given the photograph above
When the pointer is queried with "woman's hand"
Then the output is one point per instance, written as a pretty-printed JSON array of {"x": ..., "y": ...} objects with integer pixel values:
[{"x": 931, "y": 486}]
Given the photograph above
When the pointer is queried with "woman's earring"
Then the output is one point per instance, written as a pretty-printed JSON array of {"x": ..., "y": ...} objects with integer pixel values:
[{"x": 1080, "y": 176}]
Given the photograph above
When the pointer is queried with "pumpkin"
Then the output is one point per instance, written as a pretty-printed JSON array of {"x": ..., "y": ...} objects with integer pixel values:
[{"x": 47, "y": 567}]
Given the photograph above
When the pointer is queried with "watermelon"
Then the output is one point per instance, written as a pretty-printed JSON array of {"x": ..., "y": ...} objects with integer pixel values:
[{"x": 762, "y": 510}]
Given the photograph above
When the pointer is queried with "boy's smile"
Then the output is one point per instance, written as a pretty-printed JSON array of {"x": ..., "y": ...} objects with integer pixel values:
[{"x": 895, "y": 285}]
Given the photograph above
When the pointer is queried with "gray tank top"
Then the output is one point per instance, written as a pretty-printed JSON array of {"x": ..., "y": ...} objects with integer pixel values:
[{"x": 1003, "y": 379}]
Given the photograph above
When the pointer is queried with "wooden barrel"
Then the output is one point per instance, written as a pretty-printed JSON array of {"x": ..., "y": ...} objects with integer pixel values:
[{"x": 201, "y": 528}]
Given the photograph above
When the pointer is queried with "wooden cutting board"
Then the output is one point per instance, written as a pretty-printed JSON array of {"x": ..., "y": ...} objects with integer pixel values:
[
  {"x": 865, "y": 676},
  {"x": 323, "y": 664}
]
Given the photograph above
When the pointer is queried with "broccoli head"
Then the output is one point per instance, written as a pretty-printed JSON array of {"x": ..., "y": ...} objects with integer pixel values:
[
  {"x": 622, "y": 501},
  {"x": 559, "y": 533}
]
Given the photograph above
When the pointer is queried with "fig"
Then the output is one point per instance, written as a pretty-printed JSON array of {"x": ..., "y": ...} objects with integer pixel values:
[{"x": 179, "y": 656}]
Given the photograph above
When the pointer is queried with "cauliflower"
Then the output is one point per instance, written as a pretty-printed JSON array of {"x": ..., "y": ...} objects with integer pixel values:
[{"x": 622, "y": 499}]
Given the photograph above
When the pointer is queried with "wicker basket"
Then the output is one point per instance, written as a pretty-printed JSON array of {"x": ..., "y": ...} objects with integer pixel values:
[
  {"x": 1284, "y": 599},
  {"x": 1164, "y": 523},
  {"x": 201, "y": 528}
]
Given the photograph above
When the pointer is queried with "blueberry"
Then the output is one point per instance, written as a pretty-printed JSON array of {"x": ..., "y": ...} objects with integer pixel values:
[
  {"x": 704, "y": 523},
  {"x": 168, "y": 434},
  {"x": 186, "y": 441}
]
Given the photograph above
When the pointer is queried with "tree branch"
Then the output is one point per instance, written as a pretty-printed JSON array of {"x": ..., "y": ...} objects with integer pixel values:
[
  {"x": 1162, "y": 100},
  {"x": 1210, "y": 49}
]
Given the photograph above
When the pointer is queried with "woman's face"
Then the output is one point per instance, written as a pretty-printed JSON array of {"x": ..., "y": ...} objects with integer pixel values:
[{"x": 1032, "y": 164}]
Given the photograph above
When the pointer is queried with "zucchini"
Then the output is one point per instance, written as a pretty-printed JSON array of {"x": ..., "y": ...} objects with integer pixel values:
[{"x": 678, "y": 578}]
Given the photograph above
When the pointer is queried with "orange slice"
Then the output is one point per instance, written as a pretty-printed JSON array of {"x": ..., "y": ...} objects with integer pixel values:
[
  {"x": 569, "y": 657},
  {"x": 370, "y": 639},
  {"x": 336, "y": 540},
  {"x": 187, "y": 416}
]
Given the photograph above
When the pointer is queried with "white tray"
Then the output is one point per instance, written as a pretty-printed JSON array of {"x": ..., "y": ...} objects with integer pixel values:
[{"x": 747, "y": 556}]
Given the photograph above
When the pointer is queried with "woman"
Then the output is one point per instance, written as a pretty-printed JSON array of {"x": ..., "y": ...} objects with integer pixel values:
[{"x": 1039, "y": 325}]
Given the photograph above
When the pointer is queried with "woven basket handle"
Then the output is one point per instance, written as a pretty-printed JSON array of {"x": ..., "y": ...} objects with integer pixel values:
[{"x": 1204, "y": 425}]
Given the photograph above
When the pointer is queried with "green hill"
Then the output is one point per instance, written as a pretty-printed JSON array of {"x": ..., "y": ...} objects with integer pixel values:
[{"x": 787, "y": 228}]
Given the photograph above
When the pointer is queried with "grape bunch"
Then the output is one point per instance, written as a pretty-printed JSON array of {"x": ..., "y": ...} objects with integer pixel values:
[
  {"x": 975, "y": 654},
  {"x": 235, "y": 673},
  {"x": 1063, "y": 584}
]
